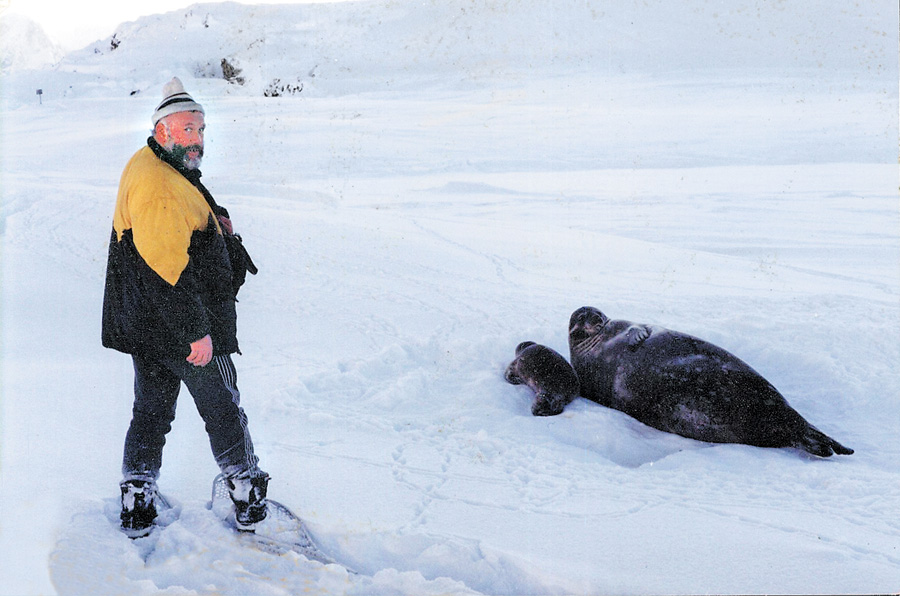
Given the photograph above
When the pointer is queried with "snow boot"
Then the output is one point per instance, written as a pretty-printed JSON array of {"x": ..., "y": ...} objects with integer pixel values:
[
  {"x": 138, "y": 507},
  {"x": 248, "y": 493}
]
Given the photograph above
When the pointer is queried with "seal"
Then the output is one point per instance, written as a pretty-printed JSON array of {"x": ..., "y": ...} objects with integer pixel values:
[
  {"x": 545, "y": 372},
  {"x": 684, "y": 385}
]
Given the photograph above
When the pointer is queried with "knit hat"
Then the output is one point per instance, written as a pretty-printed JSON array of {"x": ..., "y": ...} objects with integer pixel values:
[{"x": 175, "y": 99}]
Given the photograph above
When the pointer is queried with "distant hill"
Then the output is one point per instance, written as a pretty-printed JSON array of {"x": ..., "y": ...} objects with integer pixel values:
[
  {"x": 389, "y": 46},
  {"x": 24, "y": 44}
]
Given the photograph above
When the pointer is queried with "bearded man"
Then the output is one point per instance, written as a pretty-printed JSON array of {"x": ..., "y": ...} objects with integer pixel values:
[{"x": 169, "y": 302}]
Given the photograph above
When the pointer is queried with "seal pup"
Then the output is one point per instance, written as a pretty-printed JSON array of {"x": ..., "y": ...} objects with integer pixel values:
[
  {"x": 681, "y": 384},
  {"x": 546, "y": 373}
]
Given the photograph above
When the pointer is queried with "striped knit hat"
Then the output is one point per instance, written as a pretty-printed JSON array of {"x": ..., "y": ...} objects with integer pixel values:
[{"x": 175, "y": 99}]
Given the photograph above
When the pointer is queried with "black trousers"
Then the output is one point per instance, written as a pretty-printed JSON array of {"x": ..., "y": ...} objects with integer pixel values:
[{"x": 157, "y": 382}]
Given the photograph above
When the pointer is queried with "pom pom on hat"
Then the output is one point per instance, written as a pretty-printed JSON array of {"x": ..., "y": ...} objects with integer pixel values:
[{"x": 175, "y": 99}]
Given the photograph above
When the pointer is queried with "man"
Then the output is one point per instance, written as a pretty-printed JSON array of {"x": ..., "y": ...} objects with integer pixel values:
[{"x": 169, "y": 302}]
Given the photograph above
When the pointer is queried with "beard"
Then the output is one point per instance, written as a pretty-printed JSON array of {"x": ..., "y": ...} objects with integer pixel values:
[{"x": 180, "y": 153}]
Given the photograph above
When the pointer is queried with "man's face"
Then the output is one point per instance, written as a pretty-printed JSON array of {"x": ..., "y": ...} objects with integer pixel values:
[{"x": 182, "y": 136}]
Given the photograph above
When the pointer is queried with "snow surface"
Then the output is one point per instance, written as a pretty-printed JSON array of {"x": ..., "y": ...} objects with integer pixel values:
[{"x": 456, "y": 177}]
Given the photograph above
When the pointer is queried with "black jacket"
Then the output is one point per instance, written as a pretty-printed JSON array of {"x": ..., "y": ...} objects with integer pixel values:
[{"x": 169, "y": 276}]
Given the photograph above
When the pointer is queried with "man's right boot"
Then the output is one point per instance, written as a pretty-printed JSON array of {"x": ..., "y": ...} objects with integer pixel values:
[
  {"x": 138, "y": 507},
  {"x": 249, "y": 497}
]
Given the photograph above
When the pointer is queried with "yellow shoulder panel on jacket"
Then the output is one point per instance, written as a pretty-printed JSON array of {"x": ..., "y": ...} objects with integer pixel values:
[{"x": 163, "y": 210}]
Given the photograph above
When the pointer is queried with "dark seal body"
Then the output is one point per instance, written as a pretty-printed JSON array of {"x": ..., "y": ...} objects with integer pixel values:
[
  {"x": 546, "y": 373},
  {"x": 681, "y": 384}
]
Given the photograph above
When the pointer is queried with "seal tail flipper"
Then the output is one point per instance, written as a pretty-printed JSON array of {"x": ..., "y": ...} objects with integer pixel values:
[{"x": 818, "y": 443}]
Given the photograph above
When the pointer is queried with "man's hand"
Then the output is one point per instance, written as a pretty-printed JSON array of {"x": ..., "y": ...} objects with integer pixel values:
[
  {"x": 201, "y": 352},
  {"x": 226, "y": 225}
]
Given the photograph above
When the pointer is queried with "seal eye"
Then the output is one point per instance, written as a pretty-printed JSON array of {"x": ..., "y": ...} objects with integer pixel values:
[
  {"x": 599, "y": 320},
  {"x": 595, "y": 319}
]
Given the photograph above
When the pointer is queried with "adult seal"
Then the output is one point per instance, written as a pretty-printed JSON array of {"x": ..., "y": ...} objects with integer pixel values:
[
  {"x": 546, "y": 373},
  {"x": 681, "y": 384}
]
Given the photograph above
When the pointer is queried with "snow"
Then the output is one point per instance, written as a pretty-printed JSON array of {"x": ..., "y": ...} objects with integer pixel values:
[
  {"x": 25, "y": 45},
  {"x": 453, "y": 179}
]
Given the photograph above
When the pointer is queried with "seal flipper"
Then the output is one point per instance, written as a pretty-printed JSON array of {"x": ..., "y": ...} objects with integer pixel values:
[
  {"x": 637, "y": 335},
  {"x": 818, "y": 443}
]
